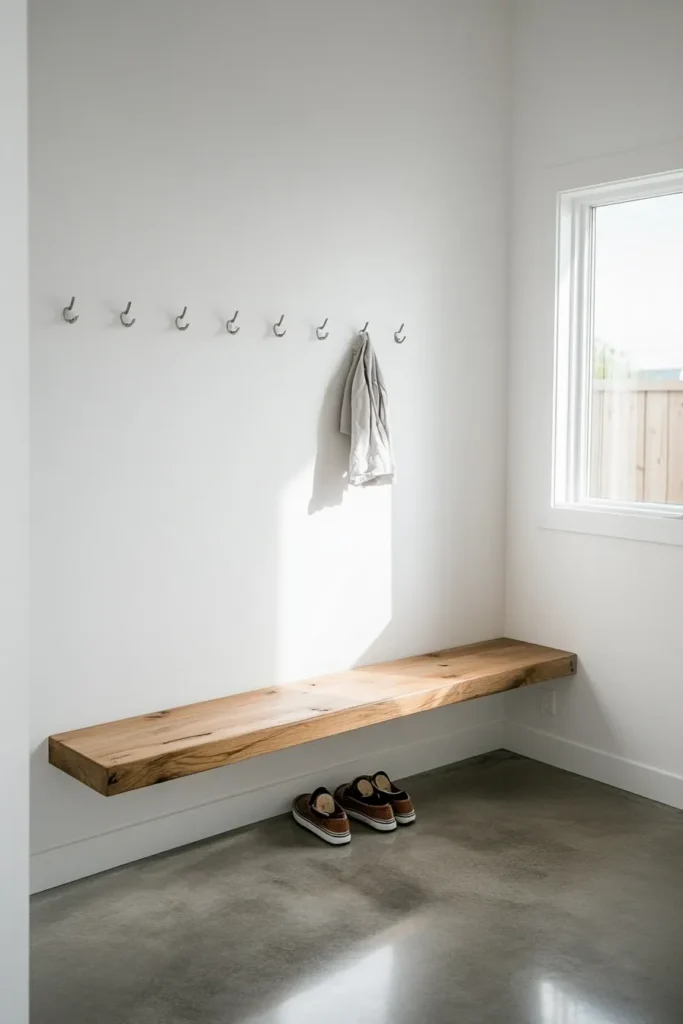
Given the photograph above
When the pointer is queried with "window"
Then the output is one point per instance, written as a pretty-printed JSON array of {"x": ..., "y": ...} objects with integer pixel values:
[{"x": 618, "y": 437}]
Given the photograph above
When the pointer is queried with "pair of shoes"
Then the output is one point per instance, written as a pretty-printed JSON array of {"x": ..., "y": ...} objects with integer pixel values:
[{"x": 374, "y": 800}]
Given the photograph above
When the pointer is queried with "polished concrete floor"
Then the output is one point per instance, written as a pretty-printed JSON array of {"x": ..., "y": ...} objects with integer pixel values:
[{"x": 523, "y": 895}]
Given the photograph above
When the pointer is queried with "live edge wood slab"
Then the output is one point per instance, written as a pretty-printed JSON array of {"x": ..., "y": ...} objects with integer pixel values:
[{"x": 138, "y": 752}]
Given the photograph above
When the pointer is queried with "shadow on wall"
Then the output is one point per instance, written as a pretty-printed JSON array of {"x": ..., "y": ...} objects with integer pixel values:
[{"x": 556, "y": 708}]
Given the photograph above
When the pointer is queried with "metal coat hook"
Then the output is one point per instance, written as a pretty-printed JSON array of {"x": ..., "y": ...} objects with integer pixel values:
[
  {"x": 181, "y": 317},
  {"x": 126, "y": 323},
  {"x": 364, "y": 331},
  {"x": 397, "y": 338},
  {"x": 231, "y": 324},
  {"x": 321, "y": 337},
  {"x": 279, "y": 334},
  {"x": 67, "y": 309}
]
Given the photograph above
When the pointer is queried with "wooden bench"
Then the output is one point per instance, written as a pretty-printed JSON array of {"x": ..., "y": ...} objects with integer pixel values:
[{"x": 138, "y": 752}]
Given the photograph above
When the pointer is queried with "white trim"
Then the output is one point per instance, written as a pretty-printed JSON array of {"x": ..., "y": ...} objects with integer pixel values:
[
  {"x": 613, "y": 770},
  {"x": 626, "y": 190},
  {"x": 111, "y": 849},
  {"x": 97, "y": 853},
  {"x": 575, "y": 245},
  {"x": 614, "y": 523}
]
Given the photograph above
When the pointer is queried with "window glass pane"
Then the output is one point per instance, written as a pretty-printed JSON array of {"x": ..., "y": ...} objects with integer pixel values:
[{"x": 636, "y": 420}]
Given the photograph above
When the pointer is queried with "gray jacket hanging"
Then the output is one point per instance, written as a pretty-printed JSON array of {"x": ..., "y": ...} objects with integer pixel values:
[{"x": 365, "y": 418}]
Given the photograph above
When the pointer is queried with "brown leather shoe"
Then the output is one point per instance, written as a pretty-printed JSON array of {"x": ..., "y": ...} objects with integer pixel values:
[
  {"x": 321, "y": 814},
  {"x": 404, "y": 812},
  {"x": 362, "y": 801}
]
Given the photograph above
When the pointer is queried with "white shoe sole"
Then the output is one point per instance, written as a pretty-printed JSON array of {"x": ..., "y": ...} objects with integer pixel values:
[
  {"x": 379, "y": 826},
  {"x": 327, "y": 837},
  {"x": 405, "y": 819}
]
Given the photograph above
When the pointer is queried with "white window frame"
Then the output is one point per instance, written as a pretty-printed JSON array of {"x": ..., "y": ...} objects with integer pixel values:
[{"x": 573, "y": 358}]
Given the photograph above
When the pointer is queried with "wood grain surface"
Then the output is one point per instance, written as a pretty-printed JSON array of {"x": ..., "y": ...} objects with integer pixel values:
[{"x": 143, "y": 751}]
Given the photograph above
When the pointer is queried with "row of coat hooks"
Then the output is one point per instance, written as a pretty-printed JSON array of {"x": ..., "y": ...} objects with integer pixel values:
[{"x": 278, "y": 330}]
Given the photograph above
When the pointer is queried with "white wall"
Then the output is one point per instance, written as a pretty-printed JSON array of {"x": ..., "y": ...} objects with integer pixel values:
[
  {"x": 192, "y": 537},
  {"x": 598, "y": 86},
  {"x": 13, "y": 518}
]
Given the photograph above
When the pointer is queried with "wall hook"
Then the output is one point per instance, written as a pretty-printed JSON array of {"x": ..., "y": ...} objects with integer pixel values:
[
  {"x": 364, "y": 330},
  {"x": 321, "y": 337},
  {"x": 181, "y": 317},
  {"x": 279, "y": 334},
  {"x": 231, "y": 324},
  {"x": 397, "y": 338},
  {"x": 126, "y": 323},
  {"x": 67, "y": 309}
]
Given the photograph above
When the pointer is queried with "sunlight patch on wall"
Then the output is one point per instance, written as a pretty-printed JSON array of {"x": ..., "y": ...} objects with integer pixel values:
[{"x": 335, "y": 577}]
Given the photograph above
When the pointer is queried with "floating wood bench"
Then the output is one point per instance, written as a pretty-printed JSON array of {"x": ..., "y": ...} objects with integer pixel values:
[{"x": 138, "y": 752}]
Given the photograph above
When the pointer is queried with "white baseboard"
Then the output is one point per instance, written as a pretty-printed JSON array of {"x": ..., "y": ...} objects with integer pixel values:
[
  {"x": 111, "y": 849},
  {"x": 642, "y": 779},
  {"x": 120, "y": 846}
]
